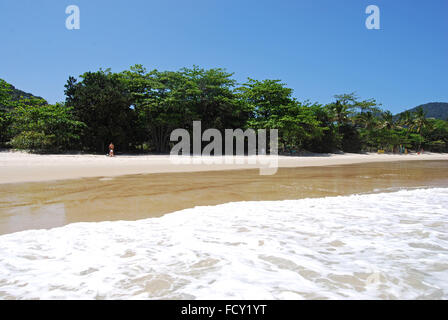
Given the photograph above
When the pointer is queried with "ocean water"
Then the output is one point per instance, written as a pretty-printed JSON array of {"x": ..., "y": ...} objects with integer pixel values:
[{"x": 373, "y": 246}]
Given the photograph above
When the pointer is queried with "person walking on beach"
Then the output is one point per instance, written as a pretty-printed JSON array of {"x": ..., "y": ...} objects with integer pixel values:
[{"x": 111, "y": 149}]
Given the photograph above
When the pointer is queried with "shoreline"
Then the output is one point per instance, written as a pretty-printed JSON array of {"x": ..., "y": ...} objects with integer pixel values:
[
  {"x": 50, "y": 204},
  {"x": 21, "y": 167}
]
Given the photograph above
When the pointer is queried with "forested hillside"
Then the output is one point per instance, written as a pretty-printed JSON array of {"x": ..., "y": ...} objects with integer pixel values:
[
  {"x": 437, "y": 110},
  {"x": 13, "y": 94}
]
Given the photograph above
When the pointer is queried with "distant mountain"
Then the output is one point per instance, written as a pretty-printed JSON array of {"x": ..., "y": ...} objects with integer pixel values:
[
  {"x": 17, "y": 94},
  {"x": 438, "y": 110}
]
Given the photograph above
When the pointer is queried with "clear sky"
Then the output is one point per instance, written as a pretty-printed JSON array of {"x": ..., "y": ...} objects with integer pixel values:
[{"x": 317, "y": 47}]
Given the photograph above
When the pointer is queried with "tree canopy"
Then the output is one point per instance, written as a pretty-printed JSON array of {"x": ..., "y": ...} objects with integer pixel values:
[{"x": 137, "y": 110}]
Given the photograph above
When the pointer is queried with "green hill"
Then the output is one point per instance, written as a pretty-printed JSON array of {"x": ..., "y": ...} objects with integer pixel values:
[
  {"x": 438, "y": 110},
  {"x": 13, "y": 93}
]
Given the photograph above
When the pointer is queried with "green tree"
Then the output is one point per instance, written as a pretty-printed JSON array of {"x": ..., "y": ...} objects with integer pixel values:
[
  {"x": 273, "y": 107},
  {"x": 328, "y": 138},
  {"x": 214, "y": 98},
  {"x": 38, "y": 126},
  {"x": 164, "y": 107},
  {"x": 419, "y": 124},
  {"x": 355, "y": 120},
  {"x": 436, "y": 135},
  {"x": 103, "y": 102},
  {"x": 6, "y": 105},
  {"x": 5, "y": 94},
  {"x": 406, "y": 119},
  {"x": 168, "y": 100}
]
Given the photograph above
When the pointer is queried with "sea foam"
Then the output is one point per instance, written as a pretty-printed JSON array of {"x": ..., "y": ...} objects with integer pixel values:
[{"x": 375, "y": 246}]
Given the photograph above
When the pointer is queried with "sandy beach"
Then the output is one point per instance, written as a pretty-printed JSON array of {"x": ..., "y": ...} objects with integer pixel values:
[
  {"x": 46, "y": 191},
  {"x": 48, "y": 204},
  {"x": 25, "y": 167}
]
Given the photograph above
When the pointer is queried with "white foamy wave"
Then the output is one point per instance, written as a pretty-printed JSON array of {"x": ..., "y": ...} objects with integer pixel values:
[{"x": 387, "y": 245}]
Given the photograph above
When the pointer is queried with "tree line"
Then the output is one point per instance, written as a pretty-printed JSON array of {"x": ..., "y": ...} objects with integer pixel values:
[{"x": 137, "y": 109}]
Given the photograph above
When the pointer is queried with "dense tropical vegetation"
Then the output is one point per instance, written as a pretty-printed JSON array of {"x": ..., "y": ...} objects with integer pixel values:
[{"x": 137, "y": 110}]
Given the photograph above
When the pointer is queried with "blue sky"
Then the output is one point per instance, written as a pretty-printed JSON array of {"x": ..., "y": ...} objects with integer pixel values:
[{"x": 317, "y": 47}]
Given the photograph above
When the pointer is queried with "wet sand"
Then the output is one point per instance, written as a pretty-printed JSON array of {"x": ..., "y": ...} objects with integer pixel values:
[
  {"x": 37, "y": 205},
  {"x": 25, "y": 167}
]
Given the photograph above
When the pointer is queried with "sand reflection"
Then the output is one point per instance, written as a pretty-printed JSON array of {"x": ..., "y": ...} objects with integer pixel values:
[{"x": 39, "y": 205}]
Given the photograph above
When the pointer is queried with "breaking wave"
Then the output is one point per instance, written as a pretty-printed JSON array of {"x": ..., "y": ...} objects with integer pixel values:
[{"x": 374, "y": 246}]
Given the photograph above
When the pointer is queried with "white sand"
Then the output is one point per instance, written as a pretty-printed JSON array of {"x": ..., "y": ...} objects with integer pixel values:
[{"x": 25, "y": 167}]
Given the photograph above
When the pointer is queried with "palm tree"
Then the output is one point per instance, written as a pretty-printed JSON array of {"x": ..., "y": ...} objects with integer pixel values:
[
  {"x": 420, "y": 122},
  {"x": 367, "y": 120},
  {"x": 340, "y": 112},
  {"x": 387, "y": 126},
  {"x": 368, "y": 123},
  {"x": 387, "y": 120},
  {"x": 406, "y": 119}
]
